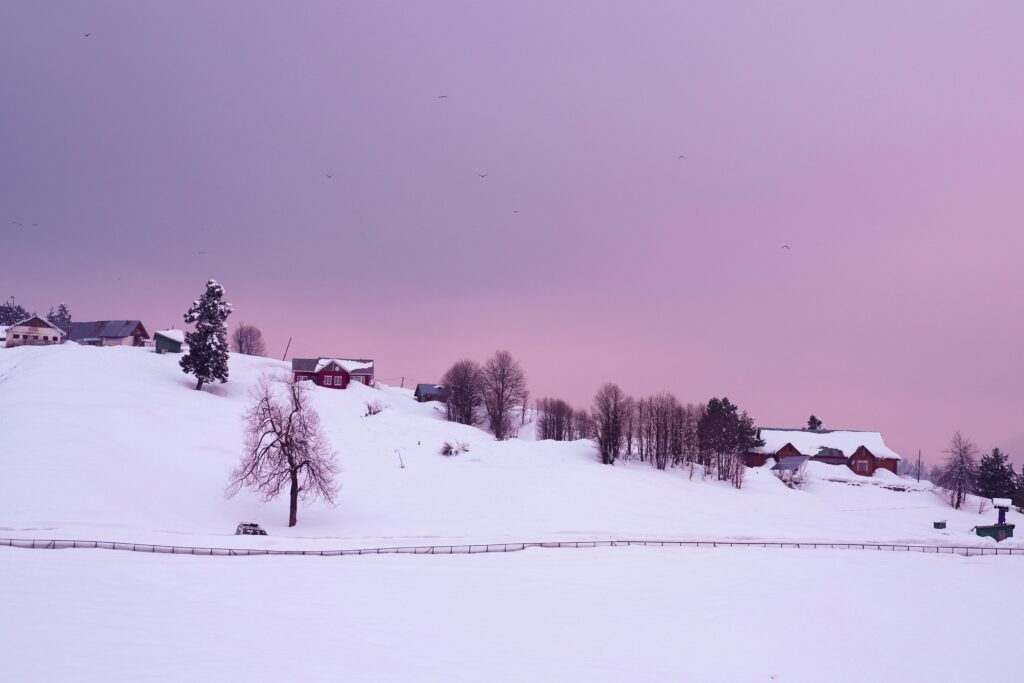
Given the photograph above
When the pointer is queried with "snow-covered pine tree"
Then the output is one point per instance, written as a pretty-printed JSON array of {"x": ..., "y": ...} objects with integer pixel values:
[
  {"x": 813, "y": 423},
  {"x": 995, "y": 477},
  {"x": 62, "y": 318},
  {"x": 207, "y": 356}
]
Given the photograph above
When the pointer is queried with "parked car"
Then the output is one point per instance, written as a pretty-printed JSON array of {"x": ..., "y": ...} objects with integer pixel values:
[{"x": 249, "y": 529}]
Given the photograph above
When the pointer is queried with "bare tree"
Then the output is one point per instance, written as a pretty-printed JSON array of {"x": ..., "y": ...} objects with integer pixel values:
[
  {"x": 248, "y": 339},
  {"x": 464, "y": 381},
  {"x": 610, "y": 415},
  {"x": 582, "y": 425},
  {"x": 504, "y": 390},
  {"x": 554, "y": 419},
  {"x": 285, "y": 447},
  {"x": 958, "y": 472}
]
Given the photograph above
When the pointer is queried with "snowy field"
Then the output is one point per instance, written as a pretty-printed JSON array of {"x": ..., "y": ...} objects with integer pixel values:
[
  {"x": 113, "y": 444},
  {"x": 617, "y": 614},
  {"x": 123, "y": 449}
]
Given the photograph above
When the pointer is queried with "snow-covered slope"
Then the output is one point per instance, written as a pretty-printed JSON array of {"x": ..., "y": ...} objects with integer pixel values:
[{"x": 114, "y": 444}]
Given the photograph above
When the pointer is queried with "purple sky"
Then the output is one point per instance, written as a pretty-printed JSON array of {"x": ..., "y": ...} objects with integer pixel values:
[{"x": 884, "y": 142}]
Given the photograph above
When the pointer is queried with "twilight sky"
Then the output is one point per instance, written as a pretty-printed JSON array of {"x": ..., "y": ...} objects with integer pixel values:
[{"x": 883, "y": 142}]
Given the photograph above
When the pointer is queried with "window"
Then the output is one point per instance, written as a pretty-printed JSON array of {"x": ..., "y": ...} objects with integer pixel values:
[
  {"x": 862, "y": 467},
  {"x": 338, "y": 380}
]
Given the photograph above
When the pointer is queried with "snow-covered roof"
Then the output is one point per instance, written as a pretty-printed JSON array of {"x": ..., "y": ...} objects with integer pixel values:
[
  {"x": 349, "y": 365},
  {"x": 812, "y": 442},
  {"x": 1002, "y": 502},
  {"x": 44, "y": 322},
  {"x": 353, "y": 366},
  {"x": 176, "y": 335}
]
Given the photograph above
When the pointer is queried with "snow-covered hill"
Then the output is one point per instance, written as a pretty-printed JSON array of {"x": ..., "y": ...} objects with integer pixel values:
[{"x": 114, "y": 444}]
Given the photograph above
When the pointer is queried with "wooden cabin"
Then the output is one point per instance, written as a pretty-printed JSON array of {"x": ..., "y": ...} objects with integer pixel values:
[
  {"x": 862, "y": 452},
  {"x": 335, "y": 373}
]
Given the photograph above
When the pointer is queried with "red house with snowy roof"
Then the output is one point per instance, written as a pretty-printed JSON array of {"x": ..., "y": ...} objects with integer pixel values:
[
  {"x": 335, "y": 373},
  {"x": 862, "y": 452}
]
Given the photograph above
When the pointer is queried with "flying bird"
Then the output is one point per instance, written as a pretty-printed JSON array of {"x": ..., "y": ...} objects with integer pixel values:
[
  {"x": 329, "y": 176},
  {"x": 482, "y": 175},
  {"x": 442, "y": 97},
  {"x": 786, "y": 246},
  {"x": 515, "y": 210},
  {"x": 88, "y": 34},
  {"x": 681, "y": 156}
]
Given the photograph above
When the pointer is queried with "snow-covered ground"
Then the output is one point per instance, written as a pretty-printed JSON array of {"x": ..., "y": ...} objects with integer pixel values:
[
  {"x": 616, "y": 614},
  {"x": 114, "y": 444}
]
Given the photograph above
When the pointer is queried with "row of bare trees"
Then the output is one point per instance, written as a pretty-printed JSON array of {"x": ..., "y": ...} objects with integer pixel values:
[
  {"x": 559, "y": 421},
  {"x": 494, "y": 393},
  {"x": 710, "y": 438}
]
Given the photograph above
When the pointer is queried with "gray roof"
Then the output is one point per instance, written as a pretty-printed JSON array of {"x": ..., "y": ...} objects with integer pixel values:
[
  {"x": 438, "y": 390},
  {"x": 304, "y": 364},
  {"x": 791, "y": 462},
  {"x": 105, "y": 329}
]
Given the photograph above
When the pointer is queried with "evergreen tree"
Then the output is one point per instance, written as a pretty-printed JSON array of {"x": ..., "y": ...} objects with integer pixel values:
[
  {"x": 1018, "y": 491},
  {"x": 995, "y": 478},
  {"x": 62, "y": 318},
  {"x": 207, "y": 356},
  {"x": 724, "y": 434},
  {"x": 813, "y": 423},
  {"x": 11, "y": 313}
]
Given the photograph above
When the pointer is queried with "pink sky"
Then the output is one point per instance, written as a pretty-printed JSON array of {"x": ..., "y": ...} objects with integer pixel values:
[{"x": 882, "y": 141}]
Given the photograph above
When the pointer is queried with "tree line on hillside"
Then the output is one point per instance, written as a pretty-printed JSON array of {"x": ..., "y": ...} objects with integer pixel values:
[
  {"x": 494, "y": 394},
  {"x": 657, "y": 429},
  {"x": 991, "y": 476}
]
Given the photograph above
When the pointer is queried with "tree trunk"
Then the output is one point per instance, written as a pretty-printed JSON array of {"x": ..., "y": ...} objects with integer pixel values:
[
  {"x": 199, "y": 384},
  {"x": 294, "y": 499}
]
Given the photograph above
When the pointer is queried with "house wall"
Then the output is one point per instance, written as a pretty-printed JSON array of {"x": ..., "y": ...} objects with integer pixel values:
[
  {"x": 326, "y": 378},
  {"x": 864, "y": 462},
  {"x": 164, "y": 345},
  {"x": 25, "y": 335}
]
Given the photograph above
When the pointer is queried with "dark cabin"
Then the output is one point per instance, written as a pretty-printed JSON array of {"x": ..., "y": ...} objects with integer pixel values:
[{"x": 431, "y": 392}]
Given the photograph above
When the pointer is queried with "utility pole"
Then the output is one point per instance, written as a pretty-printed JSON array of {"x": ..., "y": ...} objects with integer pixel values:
[
  {"x": 403, "y": 382},
  {"x": 285, "y": 356}
]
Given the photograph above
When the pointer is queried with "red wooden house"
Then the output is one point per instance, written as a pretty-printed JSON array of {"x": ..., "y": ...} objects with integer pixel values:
[
  {"x": 862, "y": 452},
  {"x": 336, "y": 373}
]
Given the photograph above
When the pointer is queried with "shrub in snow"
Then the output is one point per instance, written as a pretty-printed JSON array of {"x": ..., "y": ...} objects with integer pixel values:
[
  {"x": 207, "y": 357},
  {"x": 373, "y": 407},
  {"x": 456, "y": 448}
]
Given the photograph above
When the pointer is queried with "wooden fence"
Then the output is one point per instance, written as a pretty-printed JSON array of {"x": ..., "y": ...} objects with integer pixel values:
[{"x": 472, "y": 549}]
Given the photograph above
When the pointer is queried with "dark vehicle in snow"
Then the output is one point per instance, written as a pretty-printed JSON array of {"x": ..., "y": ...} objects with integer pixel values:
[{"x": 249, "y": 529}]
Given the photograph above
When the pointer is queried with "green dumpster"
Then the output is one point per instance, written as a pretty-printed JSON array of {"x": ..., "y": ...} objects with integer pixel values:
[
  {"x": 939, "y": 525},
  {"x": 1000, "y": 532}
]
